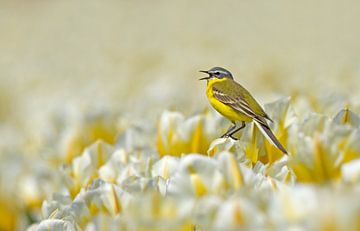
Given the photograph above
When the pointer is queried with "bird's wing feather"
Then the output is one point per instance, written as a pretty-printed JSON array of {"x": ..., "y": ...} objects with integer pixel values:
[
  {"x": 240, "y": 99},
  {"x": 234, "y": 95}
]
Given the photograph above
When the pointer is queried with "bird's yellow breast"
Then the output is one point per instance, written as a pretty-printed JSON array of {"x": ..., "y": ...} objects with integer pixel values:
[{"x": 225, "y": 110}]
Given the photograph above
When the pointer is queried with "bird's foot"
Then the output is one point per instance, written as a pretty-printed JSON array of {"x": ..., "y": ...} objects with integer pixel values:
[
  {"x": 234, "y": 138},
  {"x": 227, "y": 136}
]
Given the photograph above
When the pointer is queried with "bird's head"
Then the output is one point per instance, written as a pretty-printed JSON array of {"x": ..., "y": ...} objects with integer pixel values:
[{"x": 217, "y": 72}]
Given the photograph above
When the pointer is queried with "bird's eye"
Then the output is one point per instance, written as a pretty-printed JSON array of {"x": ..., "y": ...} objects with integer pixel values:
[{"x": 217, "y": 73}]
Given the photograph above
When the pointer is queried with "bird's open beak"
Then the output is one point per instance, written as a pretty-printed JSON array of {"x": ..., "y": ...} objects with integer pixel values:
[{"x": 205, "y": 78}]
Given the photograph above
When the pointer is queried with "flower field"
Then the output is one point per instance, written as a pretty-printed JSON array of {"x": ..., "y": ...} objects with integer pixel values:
[{"x": 105, "y": 126}]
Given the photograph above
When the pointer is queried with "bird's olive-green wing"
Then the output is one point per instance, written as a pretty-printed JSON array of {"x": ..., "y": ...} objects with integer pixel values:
[{"x": 236, "y": 96}]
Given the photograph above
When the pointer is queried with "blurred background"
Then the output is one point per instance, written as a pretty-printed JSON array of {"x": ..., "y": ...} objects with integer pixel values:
[
  {"x": 139, "y": 58},
  {"x": 58, "y": 53}
]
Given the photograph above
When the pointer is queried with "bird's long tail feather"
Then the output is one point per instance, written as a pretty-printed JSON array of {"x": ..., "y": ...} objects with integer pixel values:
[{"x": 266, "y": 131}]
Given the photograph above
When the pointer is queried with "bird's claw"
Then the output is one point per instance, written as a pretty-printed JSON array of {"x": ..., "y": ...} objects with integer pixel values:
[
  {"x": 227, "y": 136},
  {"x": 234, "y": 138}
]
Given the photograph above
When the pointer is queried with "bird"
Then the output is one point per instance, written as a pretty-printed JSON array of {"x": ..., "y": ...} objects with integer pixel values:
[{"x": 236, "y": 103}]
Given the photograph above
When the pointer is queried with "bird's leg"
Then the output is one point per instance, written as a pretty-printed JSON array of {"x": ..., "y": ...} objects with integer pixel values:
[
  {"x": 236, "y": 130},
  {"x": 228, "y": 131}
]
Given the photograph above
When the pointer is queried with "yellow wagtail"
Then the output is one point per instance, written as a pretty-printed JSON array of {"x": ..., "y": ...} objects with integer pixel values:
[{"x": 234, "y": 102}]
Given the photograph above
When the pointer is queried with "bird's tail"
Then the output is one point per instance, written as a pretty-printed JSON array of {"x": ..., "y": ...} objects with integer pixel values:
[{"x": 266, "y": 131}]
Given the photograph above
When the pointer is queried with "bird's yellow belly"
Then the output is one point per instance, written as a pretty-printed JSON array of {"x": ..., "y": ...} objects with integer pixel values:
[{"x": 227, "y": 111}]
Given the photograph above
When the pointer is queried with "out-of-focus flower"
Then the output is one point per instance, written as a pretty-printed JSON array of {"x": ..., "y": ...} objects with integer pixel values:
[
  {"x": 239, "y": 213},
  {"x": 346, "y": 116},
  {"x": 323, "y": 147},
  {"x": 9, "y": 214},
  {"x": 87, "y": 130},
  {"x": 64, "y": 134},
  {"x": 187, "y": 179},
  {"x": 177, "y": 135},
  {"x": 54, "y": 224},
  {"x": 315, "y": 208},
  {"x": 100, "y": 197},
  {"x": 84, "y": 169},
  {"x": 351, "y": 171}
]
